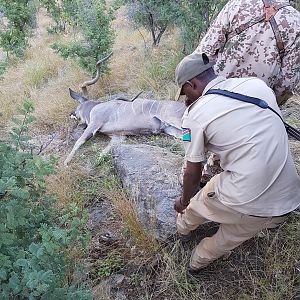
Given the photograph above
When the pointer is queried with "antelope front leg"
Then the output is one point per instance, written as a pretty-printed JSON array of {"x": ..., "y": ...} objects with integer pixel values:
[{"x": 89, "y": 132}]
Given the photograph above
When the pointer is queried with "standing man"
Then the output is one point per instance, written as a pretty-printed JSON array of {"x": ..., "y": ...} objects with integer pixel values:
[
  {"x": 258, "y": 38},
  {"x": 259, "y": 185}
]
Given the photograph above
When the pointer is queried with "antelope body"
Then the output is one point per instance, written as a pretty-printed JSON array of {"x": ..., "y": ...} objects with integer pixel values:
[{"x": 119, "y": 118}]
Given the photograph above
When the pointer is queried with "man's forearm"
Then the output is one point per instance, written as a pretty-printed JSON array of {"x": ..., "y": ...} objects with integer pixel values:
[{"x": 191, "y": 181}]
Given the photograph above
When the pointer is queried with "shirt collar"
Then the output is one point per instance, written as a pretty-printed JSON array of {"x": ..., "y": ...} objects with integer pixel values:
[
  {"x": 210, "y": 85},
  {"x": 213, "y": 83}
]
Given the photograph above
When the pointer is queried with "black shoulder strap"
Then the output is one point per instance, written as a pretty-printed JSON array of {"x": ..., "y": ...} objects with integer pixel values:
[
  {"x": 270, "y": 11},
  {"x": 256, "y": 101}
]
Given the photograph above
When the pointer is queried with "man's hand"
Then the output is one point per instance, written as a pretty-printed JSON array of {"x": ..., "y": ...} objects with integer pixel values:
[{"x": 179, "y": 206}]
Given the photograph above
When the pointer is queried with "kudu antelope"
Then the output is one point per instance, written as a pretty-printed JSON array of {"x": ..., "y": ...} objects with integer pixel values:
[{"x": 121, "y": 117}]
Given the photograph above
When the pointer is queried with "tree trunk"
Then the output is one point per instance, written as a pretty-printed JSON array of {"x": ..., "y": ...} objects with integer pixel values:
[
  {"x": 161, "y": 32},
  {"x": 152, "y": 27}
]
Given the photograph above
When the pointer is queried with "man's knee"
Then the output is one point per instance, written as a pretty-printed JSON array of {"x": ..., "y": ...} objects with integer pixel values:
[{"x": 182, "y": 225}]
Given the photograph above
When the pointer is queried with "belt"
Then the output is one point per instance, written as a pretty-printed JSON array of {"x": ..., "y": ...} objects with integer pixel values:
[{"x": 271, "y": 216}]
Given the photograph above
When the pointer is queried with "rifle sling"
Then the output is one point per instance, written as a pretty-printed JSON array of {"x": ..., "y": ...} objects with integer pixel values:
[
  {"x": 256, "y": 101},
  {"x": 269, "y": 12}
]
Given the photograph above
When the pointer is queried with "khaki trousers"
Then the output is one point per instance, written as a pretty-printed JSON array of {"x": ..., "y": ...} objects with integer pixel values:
[{"x": 235, "y": 227}]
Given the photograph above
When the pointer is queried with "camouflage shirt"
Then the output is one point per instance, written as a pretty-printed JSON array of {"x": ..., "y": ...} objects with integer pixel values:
[{"x": 254, "y": 51}]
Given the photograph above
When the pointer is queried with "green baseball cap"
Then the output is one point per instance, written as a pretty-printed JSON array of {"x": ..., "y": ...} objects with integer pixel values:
[{"x": 190, "y": 66}]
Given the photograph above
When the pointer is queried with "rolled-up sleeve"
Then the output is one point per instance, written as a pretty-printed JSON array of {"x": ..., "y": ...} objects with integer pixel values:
[{"x": 194, "y": 140}]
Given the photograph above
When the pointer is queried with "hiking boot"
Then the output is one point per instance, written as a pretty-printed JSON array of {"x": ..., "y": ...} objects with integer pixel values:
[
  {"x": 193, "y": 272},
  {"x": 184, "y": 238}
]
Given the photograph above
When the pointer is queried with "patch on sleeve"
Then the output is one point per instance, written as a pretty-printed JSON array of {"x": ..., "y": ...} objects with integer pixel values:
[{"x": 186, "y": 134}]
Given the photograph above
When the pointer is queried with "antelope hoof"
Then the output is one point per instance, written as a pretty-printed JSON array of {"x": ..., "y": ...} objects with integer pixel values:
[{"x": 66, "y": 162}]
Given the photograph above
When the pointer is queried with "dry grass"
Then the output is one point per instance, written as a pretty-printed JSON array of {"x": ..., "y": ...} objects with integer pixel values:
[
  {"x": 261, "y": 268},
  {"x": 65, "y": 183},
  {"x": 136, "y": 66},
  {"x": 127, "y": 211},
  {"x": 43, "y": 77},
  {"x": 174, "y": 279}
]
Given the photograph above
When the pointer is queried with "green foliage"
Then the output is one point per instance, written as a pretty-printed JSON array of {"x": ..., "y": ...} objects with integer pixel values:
[
  {"x": 103, "y": 159},
  {"x": 161, "y": 68},
  {"x": 116, "y": 4},
  {"x": 295, "y": 4},
  {"x": 154, "y": 15},
  {"x": 93, "y": 21},
  {"x": 194, "y": 18},
  {"x": 3, "y": 65},
  {"x": 20, "y": 16},
  {"x": 107, "y": 266},
  {"x": 61, "y": 12},
  {"x": 36, "y": 239}
]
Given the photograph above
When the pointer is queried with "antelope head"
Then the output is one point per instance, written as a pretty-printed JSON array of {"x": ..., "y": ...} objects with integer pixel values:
[{"x": 82, "y": 112}]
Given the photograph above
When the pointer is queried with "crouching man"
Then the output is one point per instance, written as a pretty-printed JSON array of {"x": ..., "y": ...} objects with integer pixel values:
[{"x": 259, "y": 186}]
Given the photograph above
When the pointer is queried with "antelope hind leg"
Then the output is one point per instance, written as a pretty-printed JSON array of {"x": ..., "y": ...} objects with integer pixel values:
[
  {"x": 115, "y": 140},
  {"x": 89, "y": 132}
]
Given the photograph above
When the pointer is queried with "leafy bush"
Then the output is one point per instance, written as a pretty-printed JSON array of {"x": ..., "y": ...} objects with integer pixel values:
[
  {"x": 107, "y": 266},
  {"x": 3, "y": 65},
  {"x": 93, "y": 21},
  {"x": 20, "y": 16},
  {"x": 194, "y": 18},
  {"x": 154, "y": 15},
  {"x": 37, "y": 241},
  {"x": 61, "y": 13}
]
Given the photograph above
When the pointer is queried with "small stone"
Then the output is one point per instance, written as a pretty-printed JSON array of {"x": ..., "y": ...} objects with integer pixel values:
[
  {"x": 118, "y": 279},
  {"x": 121, "y": 296},
  {"x": 106, "y": 236},
  {"x": 133, "y": 250}
]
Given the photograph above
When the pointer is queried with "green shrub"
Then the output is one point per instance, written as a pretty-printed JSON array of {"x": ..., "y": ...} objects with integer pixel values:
[
  {"x": 36, "y": 239},
  {"x": 21, "y": 15},
  {"x": 107, "y": 266},
  {"x": 3, "y": 65},
  {"x": 93, "y": 20},
  {"x": 154, "y": 15},
  {"x": 194, "y": 19},
  {"x": 61, "y": 12}
]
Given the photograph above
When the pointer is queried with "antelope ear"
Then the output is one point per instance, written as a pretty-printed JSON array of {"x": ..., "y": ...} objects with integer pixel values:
[
  {"x": 205, "y": 58},
  {"x": 77, "y": 97}
]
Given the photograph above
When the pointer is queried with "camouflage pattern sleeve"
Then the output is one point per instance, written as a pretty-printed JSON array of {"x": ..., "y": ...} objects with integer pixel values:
[
  {"x": 215, "y": 38},
  {"x": 289, "y": 75}
]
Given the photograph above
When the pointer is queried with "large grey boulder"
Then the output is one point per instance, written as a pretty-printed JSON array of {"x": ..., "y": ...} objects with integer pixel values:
[{"x": 150, "y": 175}]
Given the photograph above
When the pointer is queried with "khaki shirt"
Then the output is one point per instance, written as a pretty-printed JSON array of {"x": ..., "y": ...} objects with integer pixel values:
[
  {"x": 254, "y": 52},
  {"x": 259, "y": 176}
]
